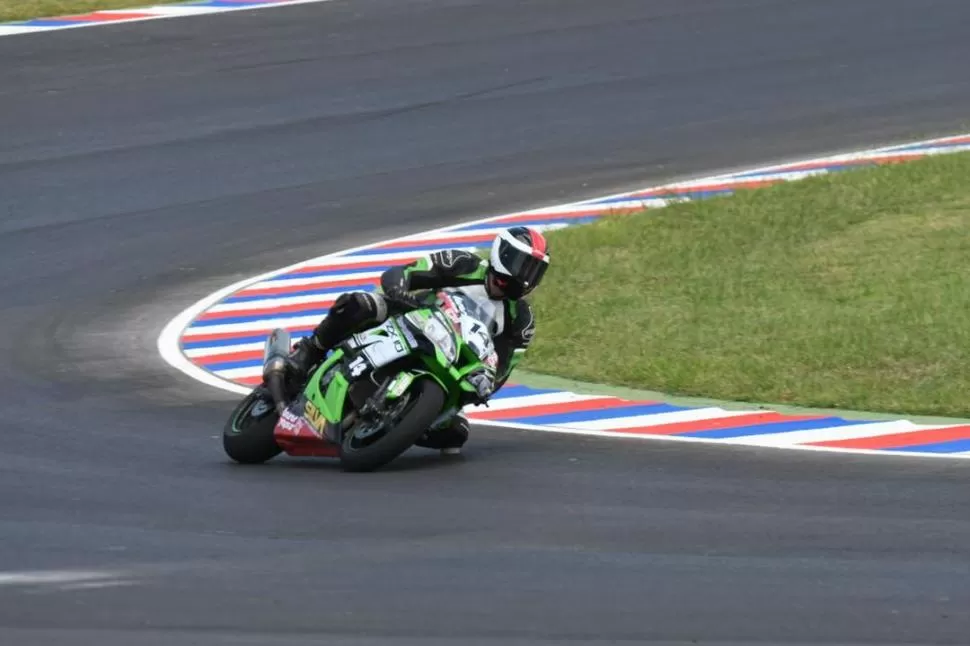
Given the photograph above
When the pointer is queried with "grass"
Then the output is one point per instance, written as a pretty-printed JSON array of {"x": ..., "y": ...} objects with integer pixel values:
[
  {"x": 845, "y": 291},
  {"x": 11, "y": 10}
]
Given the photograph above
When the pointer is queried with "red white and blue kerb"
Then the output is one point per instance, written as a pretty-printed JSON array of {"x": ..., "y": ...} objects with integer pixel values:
[
  {"x": 220, "y": 340},
  {"x": 157, "y": 12}
]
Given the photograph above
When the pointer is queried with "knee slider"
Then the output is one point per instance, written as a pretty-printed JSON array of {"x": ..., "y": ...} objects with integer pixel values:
[
  {"x": 360, "y": 306},
  {"x": 374, "y": 305}
]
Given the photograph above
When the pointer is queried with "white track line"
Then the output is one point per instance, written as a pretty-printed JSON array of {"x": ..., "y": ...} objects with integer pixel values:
[{"x": 62, "y": 578}]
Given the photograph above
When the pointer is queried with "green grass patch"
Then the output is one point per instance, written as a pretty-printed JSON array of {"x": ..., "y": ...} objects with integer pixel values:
[
  {"x": 845, "y": 291},
  {"x": 11, "y": 10}
]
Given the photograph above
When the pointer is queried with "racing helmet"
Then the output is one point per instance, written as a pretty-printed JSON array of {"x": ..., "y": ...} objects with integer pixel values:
[{"x": 517, "y": 262}]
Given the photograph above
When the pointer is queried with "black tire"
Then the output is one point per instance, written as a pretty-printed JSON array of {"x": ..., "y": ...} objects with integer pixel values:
[
  {"x": 248, "y": 439},
  {"x": 426, "y": 399}
]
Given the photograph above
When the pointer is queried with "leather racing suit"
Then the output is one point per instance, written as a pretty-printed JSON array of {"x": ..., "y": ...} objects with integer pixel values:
[{"x": 353, "y": 312}]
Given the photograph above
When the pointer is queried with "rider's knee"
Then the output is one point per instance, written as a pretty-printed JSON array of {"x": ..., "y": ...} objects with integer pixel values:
[{"x": 361, "y": 306}]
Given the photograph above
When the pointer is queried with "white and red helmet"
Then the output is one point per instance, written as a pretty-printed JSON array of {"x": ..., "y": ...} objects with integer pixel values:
[{"x": 517, "y": 263}]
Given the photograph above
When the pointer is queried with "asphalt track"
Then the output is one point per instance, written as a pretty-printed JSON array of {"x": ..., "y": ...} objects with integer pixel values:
[{"x": 144, "y": 166}]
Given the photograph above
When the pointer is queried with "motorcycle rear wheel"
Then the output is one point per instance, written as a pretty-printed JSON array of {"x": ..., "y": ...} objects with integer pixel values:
[
  {"x": 425, "y": 401},
  {"x": 248, "y": 435}
]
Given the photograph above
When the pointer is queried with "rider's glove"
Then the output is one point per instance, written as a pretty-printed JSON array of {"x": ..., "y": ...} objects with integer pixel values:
[
  {"x": 399, "y": 295},
  {"x": 484, "y": 383}
]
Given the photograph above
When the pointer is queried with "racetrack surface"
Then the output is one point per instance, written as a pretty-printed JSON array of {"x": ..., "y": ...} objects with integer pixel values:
[{"x": 144, "y": 166}]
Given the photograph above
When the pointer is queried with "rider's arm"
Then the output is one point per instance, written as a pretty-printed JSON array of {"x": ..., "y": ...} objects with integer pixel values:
[
  {"x": 448, "y": 268},
  {"x": 511, "y": 345}
]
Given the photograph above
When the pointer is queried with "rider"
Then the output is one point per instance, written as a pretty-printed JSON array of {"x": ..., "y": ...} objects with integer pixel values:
[{"x": 518, "y": 260}]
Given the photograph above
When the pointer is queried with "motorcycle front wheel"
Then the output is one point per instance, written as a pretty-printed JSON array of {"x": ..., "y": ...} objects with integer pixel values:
[{"x": 366, "y": 447}]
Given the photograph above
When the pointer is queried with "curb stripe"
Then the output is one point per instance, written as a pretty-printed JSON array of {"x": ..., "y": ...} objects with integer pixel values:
[
  {"x": 899, "y": 440},
  {"x": 258, "y": 302},
  {"x": 559, "y": 409},
  {"x": 214, "y": 362},
  {"x": 346, "y": 268},
  {"x": 818, "y": 436},
  {"x": 791, "y": 423},
  {"x": 107, "y": 16},
  {"x": 337, "y": 286},
  {"x": 260, "y": 334},
  {"x": 686, "y": 428},
  {"x": 557, "y": 397},
  {"x": 535, "y": 221},
  {"x": 514, "y": 390},
  {"x": 634, "y": 408},
  {"x": 422, "y": 248},
  {"x": 277, "y": 321},
  {"x": 223, "y": 364},
  {"x": 956, "y": 446},
  {"x": 310, "y": 306},
  {"x": 656, "y": 419}
]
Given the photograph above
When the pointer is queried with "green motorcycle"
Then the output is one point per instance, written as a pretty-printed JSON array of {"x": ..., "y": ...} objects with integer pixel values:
[{"x": 377, "y": 393}]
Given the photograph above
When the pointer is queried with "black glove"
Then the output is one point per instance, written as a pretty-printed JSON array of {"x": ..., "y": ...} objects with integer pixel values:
[
  {"x": 396, "y": 290},
  {"x": 484, "y": 382},
  {"x": 403, "y": 300}
]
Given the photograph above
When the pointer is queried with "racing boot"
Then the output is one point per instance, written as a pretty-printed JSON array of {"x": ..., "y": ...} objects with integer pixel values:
[
  {"x": 306, "y": 353},
  {"x": 448, "y": 438}
]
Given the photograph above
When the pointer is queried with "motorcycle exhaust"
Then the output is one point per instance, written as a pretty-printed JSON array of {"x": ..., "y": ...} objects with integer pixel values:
[{"x": 276, "y": 351}]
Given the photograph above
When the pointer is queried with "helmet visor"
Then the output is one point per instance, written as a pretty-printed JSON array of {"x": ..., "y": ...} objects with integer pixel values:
[{"x": 523, "y": 267}]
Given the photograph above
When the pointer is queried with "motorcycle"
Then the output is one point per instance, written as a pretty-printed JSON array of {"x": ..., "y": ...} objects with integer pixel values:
[{"x": 376, "y": 393}]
